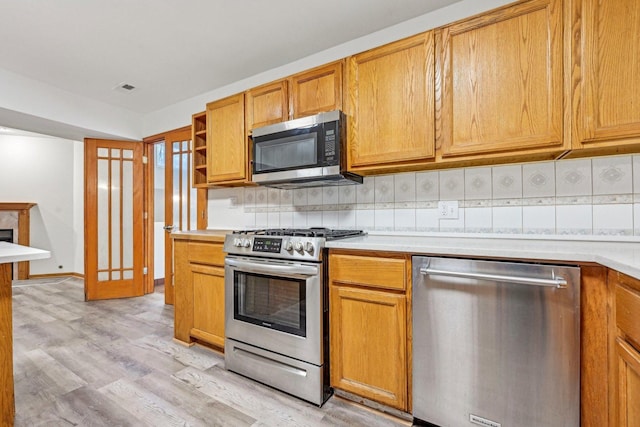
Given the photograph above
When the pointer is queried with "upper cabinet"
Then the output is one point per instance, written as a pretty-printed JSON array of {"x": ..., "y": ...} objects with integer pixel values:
[
  {"x": 304, "y": 94},
  {"x": 500, "y": 91},
  {"x": 317, "y": 90},
  {"x": 267, "y": 104},
  {"x": 390, "y": 106},
  {"x": 606, "y": 76},
  {"x": 533, "y": 80},
  {"x": 227, "y": 152}
]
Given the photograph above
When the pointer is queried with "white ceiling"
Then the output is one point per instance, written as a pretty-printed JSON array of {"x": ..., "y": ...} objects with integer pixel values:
[{"x": 172, "y": 50}]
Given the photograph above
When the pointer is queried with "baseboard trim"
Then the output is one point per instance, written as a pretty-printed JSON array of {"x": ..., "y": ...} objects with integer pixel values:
[{"x": 44, "y": 276}]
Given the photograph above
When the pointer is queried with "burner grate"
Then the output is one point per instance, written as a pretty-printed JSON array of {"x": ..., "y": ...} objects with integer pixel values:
[{"x": 322, "y": 232}]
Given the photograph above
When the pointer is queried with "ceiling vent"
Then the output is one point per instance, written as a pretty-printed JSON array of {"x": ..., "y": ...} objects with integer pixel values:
[{"x": 124, "y": 87}]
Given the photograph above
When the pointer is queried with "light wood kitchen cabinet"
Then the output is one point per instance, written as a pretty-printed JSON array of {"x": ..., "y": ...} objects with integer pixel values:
[
  {"x": 605, "y": 76},
  {"x": 501, "y": 85},
  {"x": 369, "y": 330},
  {"x": 626, "y": 342},
  {"x": 208, "y": 303},
  {"x": 390, "y": 107},
  {"x": 227, "y": 147},
  {"x": 267, "y": 104},
  {"x": 303, "y": 94},
  {"x": 199, "y": 138},
  {"x": 317, "y": 90},
  {"x": 199, "y": 292}
]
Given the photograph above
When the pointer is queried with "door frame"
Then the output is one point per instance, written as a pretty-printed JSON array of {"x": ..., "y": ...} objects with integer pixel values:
[
  {"x": 201, "y": 210},
  {"x": 149, "y": 175}
]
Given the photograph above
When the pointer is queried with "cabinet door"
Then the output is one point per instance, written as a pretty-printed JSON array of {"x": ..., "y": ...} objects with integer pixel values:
[
  {"x": 368, "y": 344},
  {"x": 390, "y": 106},
  {"x": 226, "y": 139},
  {"x": 267, "y": 104},
  {"x": 208, "y": 303},
  {"x": 353, "y": 269},
  {"x": 606, "y": 69},
  {"x": 317, "y": 90},
  {"x": 501, "y": 90},
  {"x": 628, "y": 385}
]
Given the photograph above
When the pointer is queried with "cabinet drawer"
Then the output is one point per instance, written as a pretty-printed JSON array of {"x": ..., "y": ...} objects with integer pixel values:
[
  {"x": 206, "y": 253},
  {"x": 377, "y": 272},
  {"x": 627, "y": 310}
]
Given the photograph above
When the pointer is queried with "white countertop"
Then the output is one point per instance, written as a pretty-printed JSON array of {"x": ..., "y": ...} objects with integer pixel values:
[
  {"x": 620, "y": 256},
  {"x": 10, "y": 252}
]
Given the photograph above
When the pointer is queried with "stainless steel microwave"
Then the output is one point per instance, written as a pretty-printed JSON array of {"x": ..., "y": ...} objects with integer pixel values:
[{"x": 305, "y": 152}]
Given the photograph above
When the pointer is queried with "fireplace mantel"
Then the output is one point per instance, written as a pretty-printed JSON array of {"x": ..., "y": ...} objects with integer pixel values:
[
  {"x": 16, "y": 206},
  {"x": 23, "y": 230}
]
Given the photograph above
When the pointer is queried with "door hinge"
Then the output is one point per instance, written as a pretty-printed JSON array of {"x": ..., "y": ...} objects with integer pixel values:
[
  {"x": 145, "y": 160},
  {"x": 145, "y": 270}
]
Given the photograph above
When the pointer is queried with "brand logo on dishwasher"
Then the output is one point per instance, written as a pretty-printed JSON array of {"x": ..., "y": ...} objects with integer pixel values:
[{"x": 483, "y": 421}]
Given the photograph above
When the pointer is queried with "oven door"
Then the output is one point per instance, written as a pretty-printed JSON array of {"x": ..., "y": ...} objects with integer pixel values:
[{"x": 275, "y": 305}]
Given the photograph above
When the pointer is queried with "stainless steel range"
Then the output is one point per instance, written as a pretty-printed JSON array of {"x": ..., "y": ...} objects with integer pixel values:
[{"x": 276, "y": 308}]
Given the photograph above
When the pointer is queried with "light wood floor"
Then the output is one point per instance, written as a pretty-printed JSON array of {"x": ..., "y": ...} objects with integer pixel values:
[{"x": 113, "y": 363}]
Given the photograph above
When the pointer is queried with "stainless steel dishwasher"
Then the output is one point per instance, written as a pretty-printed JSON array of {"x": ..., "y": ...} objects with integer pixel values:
[{"x": 495, "y": 344}]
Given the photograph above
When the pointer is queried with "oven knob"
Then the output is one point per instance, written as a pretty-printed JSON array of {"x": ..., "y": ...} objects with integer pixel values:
[
  {"x": 246, "y": 243},
  {"x": 237, "y": 242},
  {"x": 288, "y": 246},
  {"x": 308, "y": 247},
  {"x": 299, "y": 247}
]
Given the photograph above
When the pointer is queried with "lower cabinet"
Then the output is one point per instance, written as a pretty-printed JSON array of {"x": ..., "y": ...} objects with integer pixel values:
[
  {"x": 208, "y": 304},
  {"x": 199, "y": 292},
  {"x": 628, "y": 385},
  {"x": 368, "y": 313},
  {"x": 626, "y": 364}
]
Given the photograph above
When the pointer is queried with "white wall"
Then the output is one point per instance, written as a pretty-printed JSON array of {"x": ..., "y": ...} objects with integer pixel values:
[
  {"x": 35, "y": 106},
  {"x": 44, "y": 170},
  {"x": 78, "y": 206}
]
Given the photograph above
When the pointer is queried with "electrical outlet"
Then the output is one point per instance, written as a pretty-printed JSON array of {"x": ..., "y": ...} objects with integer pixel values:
[{"x": 448, "y": 209}]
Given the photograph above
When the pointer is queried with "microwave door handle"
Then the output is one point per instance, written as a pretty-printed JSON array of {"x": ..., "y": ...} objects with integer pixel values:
[{"x": 254, "y": 267}]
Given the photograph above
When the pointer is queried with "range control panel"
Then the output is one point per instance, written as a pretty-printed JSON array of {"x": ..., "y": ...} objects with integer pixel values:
[
  {"x": 267, "y": 244},
  {"x": 294, "y": 247}
]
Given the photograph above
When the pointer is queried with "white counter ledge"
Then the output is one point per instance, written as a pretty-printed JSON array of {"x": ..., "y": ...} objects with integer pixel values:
[
  {"x": 10, "y": 252},
  {"x": 620, "y": 256}
]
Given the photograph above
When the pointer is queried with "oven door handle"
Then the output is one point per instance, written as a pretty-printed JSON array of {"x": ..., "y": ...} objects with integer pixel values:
[{"x": 254, "y": 267}]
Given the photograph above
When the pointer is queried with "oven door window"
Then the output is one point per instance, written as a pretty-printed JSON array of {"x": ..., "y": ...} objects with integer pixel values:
[{"x": 271, "y": 302}]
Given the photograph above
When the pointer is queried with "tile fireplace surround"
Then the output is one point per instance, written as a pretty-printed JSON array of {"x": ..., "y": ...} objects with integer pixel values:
[{"x": 15, "y": 216}]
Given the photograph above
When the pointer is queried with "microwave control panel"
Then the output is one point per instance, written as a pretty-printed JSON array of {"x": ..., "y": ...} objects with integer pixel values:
[{"x": 329, "y": 143}]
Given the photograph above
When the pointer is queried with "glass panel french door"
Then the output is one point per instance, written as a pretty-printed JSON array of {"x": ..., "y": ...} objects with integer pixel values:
[
  {"x": 113, "y": 219},
  {"x": 184, "y": 196},
  {"x": 180, "y": 198}
]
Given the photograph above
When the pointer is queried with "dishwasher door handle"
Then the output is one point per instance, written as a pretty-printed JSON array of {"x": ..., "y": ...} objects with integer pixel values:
[{"x": 555, "y": 282}]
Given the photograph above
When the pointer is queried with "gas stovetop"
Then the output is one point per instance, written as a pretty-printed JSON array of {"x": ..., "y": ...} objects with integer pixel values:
[
  {"x": 284, "y": 243},
  {"x": 326, "y": 233}
]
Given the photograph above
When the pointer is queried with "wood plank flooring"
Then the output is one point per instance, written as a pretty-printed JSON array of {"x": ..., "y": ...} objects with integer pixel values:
[{"x": 114, "y": 363}]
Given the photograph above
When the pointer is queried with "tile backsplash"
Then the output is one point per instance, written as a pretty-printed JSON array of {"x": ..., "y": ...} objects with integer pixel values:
[{"x": 584, "y": 197}]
